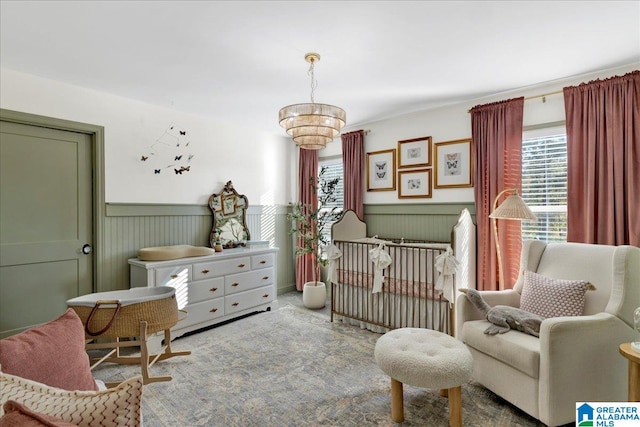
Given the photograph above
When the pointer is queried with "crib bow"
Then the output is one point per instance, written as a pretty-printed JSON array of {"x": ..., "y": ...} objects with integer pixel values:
[
  {"x": 381, "y": 260},
  {"x": 333, "y": 254},
  {"x": 446, "y": 264}
]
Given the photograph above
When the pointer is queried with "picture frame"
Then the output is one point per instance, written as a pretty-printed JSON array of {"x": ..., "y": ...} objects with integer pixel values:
[
  {"x": 381, "y": 170},
  {"x": 228, "y": 205},
  {"x": 414, "y": 184},
  {"x": 414, "y": 153},
  {"x": 454, "y": 164}
]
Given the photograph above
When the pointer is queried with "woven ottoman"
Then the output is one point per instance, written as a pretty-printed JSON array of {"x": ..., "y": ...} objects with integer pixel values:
[{"x": 424, "y": 358}]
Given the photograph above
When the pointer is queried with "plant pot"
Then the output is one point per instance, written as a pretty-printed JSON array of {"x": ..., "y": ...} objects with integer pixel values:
[{"x": 314, "y": 295}]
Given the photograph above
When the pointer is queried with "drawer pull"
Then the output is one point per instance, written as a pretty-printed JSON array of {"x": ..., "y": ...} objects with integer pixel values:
[
  {"x": 240, "y": 265},
  {"x": 263, "y": 262},
  {"x": 213, "y": 310},
  {"x": 235, "y": 284},
  {"x": 235, "y": 304},
  {"x": 265, "y": 296},
  {"x": 265, "y": 277},
  {"x": 213, "y": 289},
  {"x": 205, "y": 271},
  {"x": 174, "y": 276}
]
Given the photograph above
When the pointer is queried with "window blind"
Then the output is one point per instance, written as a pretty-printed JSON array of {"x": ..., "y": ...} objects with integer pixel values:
[
  {"x": 333, "y": 169},
  {"x": 544, "y": 185}
]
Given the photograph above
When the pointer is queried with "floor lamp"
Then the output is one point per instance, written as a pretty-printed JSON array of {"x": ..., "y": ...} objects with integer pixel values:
[{"x": 512, "y": 208}]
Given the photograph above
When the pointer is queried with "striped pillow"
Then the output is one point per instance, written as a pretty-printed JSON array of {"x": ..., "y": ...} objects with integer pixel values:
[
  {"x": 548, "y": 297},
  {"x": 116, "y": 407}
]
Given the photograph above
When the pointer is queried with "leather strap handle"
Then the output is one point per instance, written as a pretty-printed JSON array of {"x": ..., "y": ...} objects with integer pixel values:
[{"x": 93, "y": 310}]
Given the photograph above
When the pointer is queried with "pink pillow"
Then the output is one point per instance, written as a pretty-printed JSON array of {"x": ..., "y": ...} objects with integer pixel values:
[
  {"x": 549, "y": 297},
  {"x": 17, "y": 415},
  {"x": 52, "y": 354}
]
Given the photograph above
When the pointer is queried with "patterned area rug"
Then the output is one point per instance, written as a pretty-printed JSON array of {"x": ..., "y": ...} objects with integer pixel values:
[{"x": 293, "y": 367}]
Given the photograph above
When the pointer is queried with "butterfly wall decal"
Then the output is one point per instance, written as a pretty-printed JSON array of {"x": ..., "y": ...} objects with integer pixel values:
[{"x": 168, "y": 145}]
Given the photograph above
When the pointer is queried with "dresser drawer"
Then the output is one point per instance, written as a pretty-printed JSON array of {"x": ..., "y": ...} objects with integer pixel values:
[
  {"x": 245, "y": 300},
  {"x": 206, "y": 289},
  {"x": 262, "y": 261},
  {"x": 245, "y": 281},
  {"x": 173, "y": 276},
  {"x": 202, "y": 312},
  {"x": 205, "y": 270}
]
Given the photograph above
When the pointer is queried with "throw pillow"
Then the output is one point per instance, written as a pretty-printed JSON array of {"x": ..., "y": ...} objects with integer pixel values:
[
  {"x": 114, "y": 407},
  {"x": 548, "y": 297},
  {"x": 52, "y": 354},
  {"x": 17, "y": 415}
]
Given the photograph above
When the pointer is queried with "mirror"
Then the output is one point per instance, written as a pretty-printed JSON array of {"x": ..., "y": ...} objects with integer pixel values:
[{"x": 229, "y": 211}]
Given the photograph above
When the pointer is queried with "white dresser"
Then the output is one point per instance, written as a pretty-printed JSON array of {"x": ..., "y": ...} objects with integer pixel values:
[{"x": 213, "y": 288}]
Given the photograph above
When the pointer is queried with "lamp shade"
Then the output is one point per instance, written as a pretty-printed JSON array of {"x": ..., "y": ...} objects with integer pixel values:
[{"x": 513, "y": 208}]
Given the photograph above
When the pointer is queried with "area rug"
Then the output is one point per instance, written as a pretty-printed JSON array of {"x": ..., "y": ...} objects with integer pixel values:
[{"x": 293, "y": 367}]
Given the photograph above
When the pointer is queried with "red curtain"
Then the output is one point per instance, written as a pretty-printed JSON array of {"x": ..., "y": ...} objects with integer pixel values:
[
  {"x": 353, "y": 167},
  {"x": 603, "y": 150},
  {"x": 497, "y": 138},
  {"x": 307, "y": 169}
]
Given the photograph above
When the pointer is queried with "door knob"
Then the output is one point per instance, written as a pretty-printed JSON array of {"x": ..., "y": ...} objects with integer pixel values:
[{"x": 86, "y": 249}]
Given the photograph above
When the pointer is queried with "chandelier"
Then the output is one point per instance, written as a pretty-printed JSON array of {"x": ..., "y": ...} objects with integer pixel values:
[{"x": 312, "y": 125}]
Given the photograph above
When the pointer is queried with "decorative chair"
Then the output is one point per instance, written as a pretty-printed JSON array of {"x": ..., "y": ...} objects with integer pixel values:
[{"x": 576, "y": 358}]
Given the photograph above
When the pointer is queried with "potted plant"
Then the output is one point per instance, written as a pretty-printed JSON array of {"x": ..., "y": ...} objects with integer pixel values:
[{"x": 308, "y": 224}]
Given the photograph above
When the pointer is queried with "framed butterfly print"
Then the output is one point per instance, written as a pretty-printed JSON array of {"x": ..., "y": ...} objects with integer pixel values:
[
  {"x": 414, "y": 184},
  {"x": 414, "y": 153},
  {"x": 381, "y": 170},
  {"x": 454, "y": 164}
]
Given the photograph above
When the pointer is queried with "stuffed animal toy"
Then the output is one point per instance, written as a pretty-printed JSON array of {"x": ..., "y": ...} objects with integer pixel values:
[{"x": 504, "y": 317}]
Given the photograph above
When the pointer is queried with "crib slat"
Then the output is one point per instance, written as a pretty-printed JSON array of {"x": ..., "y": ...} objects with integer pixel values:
[{"x": 408, "y": 297}]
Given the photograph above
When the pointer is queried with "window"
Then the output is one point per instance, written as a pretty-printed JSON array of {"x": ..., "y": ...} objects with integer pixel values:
[
  {"x": 544, "y": 183},
  {"x": 333, "y": 169}
]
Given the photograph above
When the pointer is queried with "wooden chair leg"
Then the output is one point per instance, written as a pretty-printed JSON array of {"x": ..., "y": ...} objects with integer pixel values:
[
  {"x": 455, "y": 407},
  {"x": 397, "y": 405}
]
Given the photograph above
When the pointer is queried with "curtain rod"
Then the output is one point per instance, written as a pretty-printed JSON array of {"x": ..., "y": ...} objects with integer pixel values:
[
  {"x": 365, "y": 131},
  {"x": 543, "y": 96}
]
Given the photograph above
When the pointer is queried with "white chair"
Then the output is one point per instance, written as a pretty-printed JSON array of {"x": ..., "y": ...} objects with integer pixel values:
[{"x": 576, "y": 359}]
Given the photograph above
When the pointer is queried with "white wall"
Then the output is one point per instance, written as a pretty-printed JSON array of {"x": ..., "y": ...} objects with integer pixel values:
[
  {"x": 256, "y": 162},
  {"x": 454, "y": 122},
  {"x": 261, "y": 166}
]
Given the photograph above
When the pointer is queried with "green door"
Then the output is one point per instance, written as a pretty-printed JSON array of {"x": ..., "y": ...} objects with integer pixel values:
[{"x": 45, "y": 221}]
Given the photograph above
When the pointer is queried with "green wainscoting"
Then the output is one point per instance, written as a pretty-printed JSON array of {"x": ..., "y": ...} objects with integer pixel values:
[
  {"x": 412, "y": 221},
  {"x": 129, "y": 227}
]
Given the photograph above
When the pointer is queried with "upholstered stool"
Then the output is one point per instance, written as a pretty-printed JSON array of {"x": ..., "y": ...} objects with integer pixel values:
[{"x": 424, "y": 358}]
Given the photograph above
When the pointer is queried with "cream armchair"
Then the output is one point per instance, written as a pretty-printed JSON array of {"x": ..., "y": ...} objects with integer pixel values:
[{"x": 576, "y": 359}]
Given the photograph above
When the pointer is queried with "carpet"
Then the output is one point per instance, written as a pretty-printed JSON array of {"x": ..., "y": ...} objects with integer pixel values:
[{"x": 293, "y": 367}]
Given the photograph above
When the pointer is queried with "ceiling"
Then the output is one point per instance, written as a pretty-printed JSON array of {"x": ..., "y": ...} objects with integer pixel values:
[{"x": 241, "y": 61}]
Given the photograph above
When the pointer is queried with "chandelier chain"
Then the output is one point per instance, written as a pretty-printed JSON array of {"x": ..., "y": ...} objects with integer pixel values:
[{"x": 314, "y": 83}]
